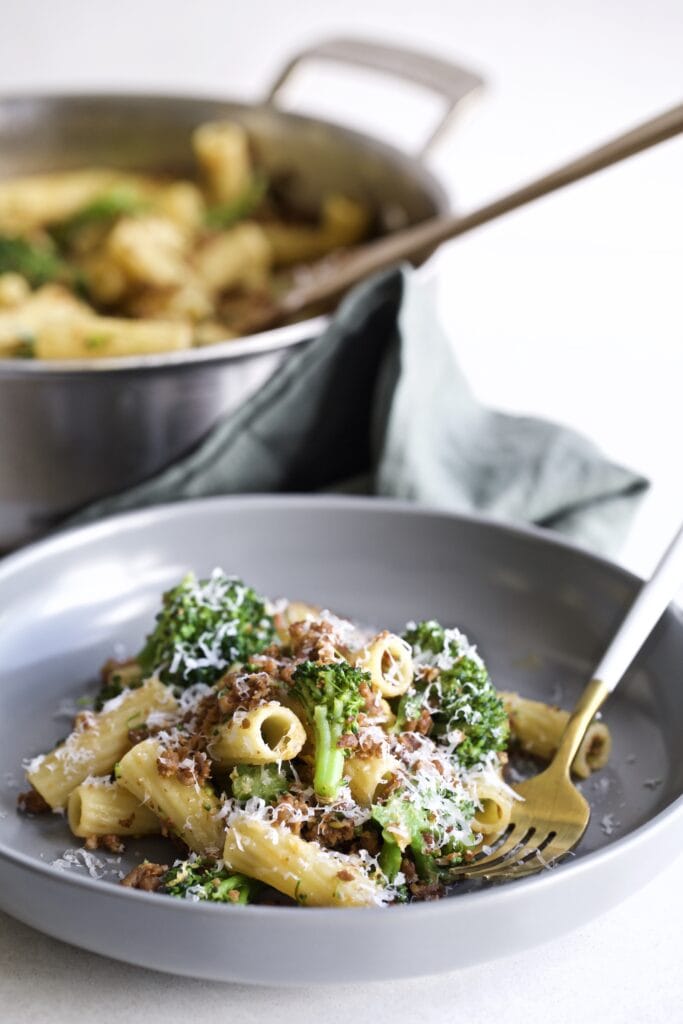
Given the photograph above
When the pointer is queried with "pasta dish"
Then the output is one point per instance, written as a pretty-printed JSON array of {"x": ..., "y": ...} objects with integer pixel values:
[
  {"x": 291, "y": 756},
  {"x": 98, "y": 262}
]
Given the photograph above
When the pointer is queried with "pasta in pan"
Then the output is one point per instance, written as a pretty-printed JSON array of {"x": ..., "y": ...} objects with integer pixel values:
[
  {"x": 98, "y": 263},
  {"x": 295, "y": 756}
]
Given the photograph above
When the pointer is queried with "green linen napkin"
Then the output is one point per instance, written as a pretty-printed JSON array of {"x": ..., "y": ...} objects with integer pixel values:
[{"x": 378, "y": 404}]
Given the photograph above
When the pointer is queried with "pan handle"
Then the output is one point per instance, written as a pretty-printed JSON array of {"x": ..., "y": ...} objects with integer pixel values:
[{"x": 448, "y": 80}]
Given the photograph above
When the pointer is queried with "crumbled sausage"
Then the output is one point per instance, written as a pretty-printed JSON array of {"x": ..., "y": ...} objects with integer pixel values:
[
  {"x": 422, "y": 724},
  {"x": 333, "y": 832},
  {"x": 31, "y": 802},
  {"x": 112, "y": 843},
  {"x": 188, "y": 766},
  {"x": 315, "y": 641},
  {"x": 138, "y": 734},
  {"x": 244, "y": 690},
  {"x": 145, "y": 876},
  {"x": 291, "y": 812}
]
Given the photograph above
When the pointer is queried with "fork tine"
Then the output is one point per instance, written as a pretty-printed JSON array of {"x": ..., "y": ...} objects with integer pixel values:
[
  {"x": 513, "y": 847},
  {"x": 544, "y": 855}
]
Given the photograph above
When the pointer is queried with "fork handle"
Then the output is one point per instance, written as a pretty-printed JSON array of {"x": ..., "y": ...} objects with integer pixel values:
[
  {"x": 652, "y": 600},
  {"x": 643, "y": 615}
]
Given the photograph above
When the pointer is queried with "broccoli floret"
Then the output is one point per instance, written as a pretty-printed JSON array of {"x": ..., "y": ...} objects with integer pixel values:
[
  {"x": 266, "y": 781},
  {"x": 330, "y": 696},
  {"x": 434, "y": 823},
  {"x": 461, "y": 698},
  {"x": 105, "y": 209},
  {"x": 204, "y": 627},
  {"x": 203, "y": 879},
  {"x": 37, "y": 262}
]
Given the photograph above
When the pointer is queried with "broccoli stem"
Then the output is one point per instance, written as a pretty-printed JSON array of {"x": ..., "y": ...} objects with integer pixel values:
[
  {"x": 423, "y": 863},
  {"x": 329, "y": 759},
  {"x": 390, "y": 859}
]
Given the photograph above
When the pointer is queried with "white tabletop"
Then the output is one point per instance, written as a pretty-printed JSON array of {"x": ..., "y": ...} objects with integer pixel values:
[{"x": 570, "y": 309}]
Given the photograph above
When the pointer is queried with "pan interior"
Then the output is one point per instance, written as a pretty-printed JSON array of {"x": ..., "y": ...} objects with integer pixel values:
[{"x": 152, "y": 133}]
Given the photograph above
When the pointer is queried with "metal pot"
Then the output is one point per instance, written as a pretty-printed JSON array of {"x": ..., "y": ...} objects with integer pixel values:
[{"x": 72, "y": 432}]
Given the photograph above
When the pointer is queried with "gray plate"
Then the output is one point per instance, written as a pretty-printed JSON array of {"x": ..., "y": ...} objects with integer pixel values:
[{"x": 541, "y": 612}]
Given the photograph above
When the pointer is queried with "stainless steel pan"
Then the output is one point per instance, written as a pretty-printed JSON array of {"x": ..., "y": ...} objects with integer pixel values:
[{"x": 72, "y": 432}]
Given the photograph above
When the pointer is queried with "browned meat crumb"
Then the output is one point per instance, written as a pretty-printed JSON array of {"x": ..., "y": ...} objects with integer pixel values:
[
  {"x": 426, "y": 890},
  {"x": 410, "y": 740},
  {"x": 368, "y": 840},
  {"x": 348, "y": 741},
  {"x": 112, "y": 843},
  {"x": 268, "y": 661},
  {"x": 126, "y": 822},
  {"x": 331, "y": 831},
  {"x": 145, "y": 876},
  {"x": 409, "y": 870},
  {"x": 138, "y": 735},
  {"x": 345, "y": 875},
  {"x": 31, "y": 802},
  {"x": 422, "y": 724},
  {"x": 420, "y": 890},
  {"x": 188, "y": 766},
  {"x": 291, "y": 812},
  {"x": 315, "y": 641},
  {"x": 372, "y": 699},
  {"x": 370, "y": 742},
  {"x": 244, "y": 690}
]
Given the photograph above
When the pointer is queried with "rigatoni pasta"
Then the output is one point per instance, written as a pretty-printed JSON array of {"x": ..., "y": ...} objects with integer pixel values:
[
  {"x": 189, "y": 811},
  {"x": 97, "y": 742},
  {"x": 537, "y": 728},
  {"x": 268, "y": 734},
  {"x": 304, "y": 871},
  {"x": 101, "y": 807}
]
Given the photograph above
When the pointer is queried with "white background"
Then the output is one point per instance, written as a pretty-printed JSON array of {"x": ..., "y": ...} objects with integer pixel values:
[{"x": 570, "y": 309}]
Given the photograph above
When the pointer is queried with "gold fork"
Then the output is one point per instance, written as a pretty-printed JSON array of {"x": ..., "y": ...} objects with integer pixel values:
[{"x": 552, "y": 815}]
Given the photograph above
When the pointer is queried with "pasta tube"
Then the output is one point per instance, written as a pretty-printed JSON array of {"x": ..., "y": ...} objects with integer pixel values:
[
  {"x": 103, "y": 808},
  {"x": 103, "y": 337},
  {"x": 494, "y": 812},
  {"x": 183, "y": 203},
  {"x": 537, "y": 727},
  {"x": 344, "y": 222},
  {"x": 222, "y": 152},
  {"x": 367, "y": 775},
  {"x": 97, "y": 743},
  {"x": 303, "y": 871},
  {"x": 389, "y": 661},
  {"x": 31, "y": 202},
  {"x": 149, "y": 250},
  {"x": 240, "y": 256},
  {"x": 14, "y": 290},
  {"x": 50, "y": 303},
  {"x": 268, "y": 733},
  {"x": 192, "y": 811}
]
